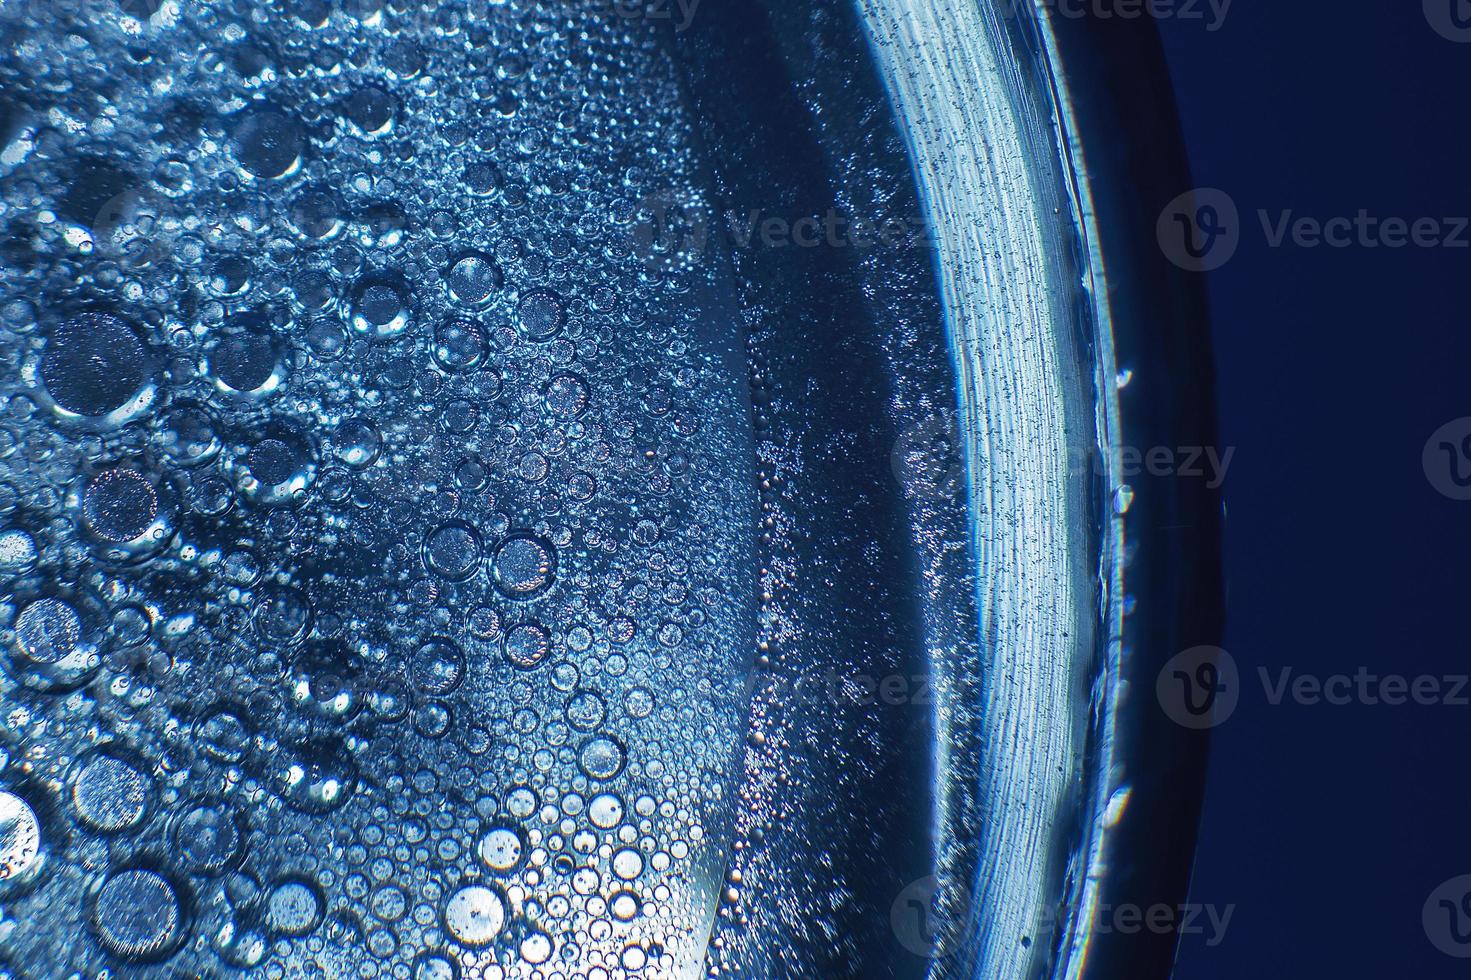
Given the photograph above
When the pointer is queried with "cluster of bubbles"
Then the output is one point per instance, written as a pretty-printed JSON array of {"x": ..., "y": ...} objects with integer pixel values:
[{"x": 353, "y": 609}]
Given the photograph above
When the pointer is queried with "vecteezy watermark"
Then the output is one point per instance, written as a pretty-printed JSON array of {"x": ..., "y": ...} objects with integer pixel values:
[
  {"x": 845, "y": 689},
  {"x": 1364, "y": 687},
  {"x": 1163, "y": 919},
  {"x": 927, "y": 458},
  {"x": 928, "y": 461},
  {"x": 1209, "y": 464},
  {"x": 670, "y": 232},
  {"x": 1199, "y": 688},
  {"x": 1447, "y": 459},
  {"x": 1202, "y": 688},
  {"x": 1451, "y": 19},
  {"x": 1212, "y": 13},
  {"x": 1201, "y": 230},
  {"x": 1446, "y": 917},
  {"x": 930, "y": 920},
  {"x": 680, "y": 12}
]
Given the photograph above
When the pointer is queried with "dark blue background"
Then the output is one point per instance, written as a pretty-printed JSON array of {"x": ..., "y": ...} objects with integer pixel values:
[{"x": 1328, "y": 827}]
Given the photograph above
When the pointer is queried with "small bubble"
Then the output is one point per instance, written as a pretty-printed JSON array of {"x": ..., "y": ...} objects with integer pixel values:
[
  {"x": 317, "y": 214},
  {"x": 459, "y": 344},
  {"x": 474, "y": 915},
  {"x": 453, "y": 551},
  {"x": 18, "y": 552},
  {"x": 48, "y": 631},
  {"x": 223, "y": 735},
  {"x": 371, "y": 110},
  {"x": 187, "y": 436},
  {"x": 481, "y": 178},
  {"x": 206, "y": 840},
  {"x": 247, "y": 362},
  {"x": 527, "y": 645},
  {"x": 138, "y": 915},
  {"x": 120, "y": 505},
  {"x": 473, "y": 280},
  {"x": 585, "y": 711},
  {"x": 268, "y": 143},
  {"x": 294, "y": 908},
  {"x": 109, "y": 794},
  {"x": 433, "y": 966},
  {"x": 539, "y": 315},
  {"x": 358, "y": 442},
  {"x": 566, "y": 397},
  {"x": 438, "y": 667},
  {"x": 525, "y": 566},
  {"x": 20, "y": 840},
  {"x": 601, "y": 758},
  {"x": 501, "y": 849},
  {"x": 380, "y": 308},
  {"x": 95, "y": 365}
]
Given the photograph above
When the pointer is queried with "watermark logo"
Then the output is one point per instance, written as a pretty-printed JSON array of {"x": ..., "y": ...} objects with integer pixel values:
[
  {"x": 928, "y": 919},
  {"x": 1211, "y": 13},
  {"x": 1200, "y": 230},
  {"x": 1199, "y": 688},
  {"x": 669, "y": 233},
  {"x": 1446, "y": 917},
  {"x": 1447, "y": 459},
  {"x": 927, "y": 459},
  {"x": 1451, "y": 19},
  {"x": 681, "y": 13},
  {"x": 930, "y": 923},
  {"x": 1202, "y": 687}
]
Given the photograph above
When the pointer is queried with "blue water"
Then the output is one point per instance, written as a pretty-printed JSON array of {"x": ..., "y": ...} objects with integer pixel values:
[{"x": 433, "y": 542}]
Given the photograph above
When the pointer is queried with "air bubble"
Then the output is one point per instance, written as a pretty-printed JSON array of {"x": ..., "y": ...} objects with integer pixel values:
[
  {"x": 18, "y": 552},
  {"x": 138, "y": 915},
  {"x": 95, "y": 366},
  {"x": 316, "y": 777},
  {"x": 527, "y": 645},
  {"x": 380, "y": 308},
  {"x": 358, "y": 442},
  {"x": 282, "y": 613},
  {"x": 605, "y": 811},
  {"x": 459, "y": 344},
  {"x": 21, "y": 854},
  {"x": 474, "y": 915},
  {"x": 268, "y": 143},
  {"x": 187, "y": 436},
  {"x": 371, "y": 110},
  {"x": 317, "y": 214},
  {"x": 247, "y": 362},
  {"x": 473, "y": 280},
  {"x": 501, "y": 850},
  {"x": 294, "y": 908},
  {"x": 566, "y": 397},
  {"x": 279, "y": 467},
  {"x": 48, "y": 631},
  {"x": 110, "y": 795},
  {"x": 453, "y": 551},
  {"x": 525, "y": 566},
  {"x": 539, "y": 315},
  {"x": 438, "y": 667},
  {"x": 206, "y": 839},
  {"x": 585, "y": 711},
  {"x": 120, "y": 505},
  {"x": 601, "y": 758}
]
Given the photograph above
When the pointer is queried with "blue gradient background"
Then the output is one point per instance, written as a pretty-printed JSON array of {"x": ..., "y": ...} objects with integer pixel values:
[{"x": 1328, "y": 827}]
